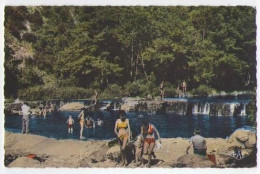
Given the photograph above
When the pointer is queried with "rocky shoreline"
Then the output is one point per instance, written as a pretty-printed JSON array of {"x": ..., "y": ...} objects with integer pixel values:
[{"x": 35, "y": 151}]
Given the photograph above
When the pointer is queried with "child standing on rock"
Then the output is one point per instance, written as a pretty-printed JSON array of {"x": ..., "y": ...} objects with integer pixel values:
[{"x": 70, "y": 123}]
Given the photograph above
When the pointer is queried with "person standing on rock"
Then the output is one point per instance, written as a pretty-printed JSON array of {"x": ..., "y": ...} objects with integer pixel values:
[
  {"x": 81, "y": 119},
  {"x": 198, "y": 142},
  {"x": 26, "y": 116},
  {"x": 148, "y": 131},
  {"x": 162, "y": 90},
  {"x": 122, "y": 130},
  {"x": 70, "y": 123},
  {"x": 184, "y": 86}
]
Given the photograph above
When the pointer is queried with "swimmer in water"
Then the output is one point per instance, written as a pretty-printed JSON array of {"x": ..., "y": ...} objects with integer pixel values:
[{"x": 70, "y": 123}]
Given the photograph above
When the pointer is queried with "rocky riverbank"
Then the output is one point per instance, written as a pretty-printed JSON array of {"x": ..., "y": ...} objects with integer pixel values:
[{"x": 36, "y": 151}]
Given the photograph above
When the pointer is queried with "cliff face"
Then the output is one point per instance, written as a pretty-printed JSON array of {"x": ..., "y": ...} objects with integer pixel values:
[{"x": 74, "y": 153}]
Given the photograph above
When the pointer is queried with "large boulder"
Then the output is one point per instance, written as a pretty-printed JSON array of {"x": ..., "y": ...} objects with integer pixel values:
[
  {"x": 100, "y": 154},
  {"x": 25, "y": 162},
  {"x": 113, "y": 153},
  {"x": 242, "y": 139},
  {"x": 72, "y": 106},
  {"x": 193, "y": 161},
  {"x": 251, "y": 142}
]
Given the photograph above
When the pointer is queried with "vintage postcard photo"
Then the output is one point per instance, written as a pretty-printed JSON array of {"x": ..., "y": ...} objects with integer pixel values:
[{"x": 130, "y": 86}]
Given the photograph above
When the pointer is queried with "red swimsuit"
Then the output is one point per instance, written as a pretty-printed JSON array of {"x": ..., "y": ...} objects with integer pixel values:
[{"x": 150, "y": 131}]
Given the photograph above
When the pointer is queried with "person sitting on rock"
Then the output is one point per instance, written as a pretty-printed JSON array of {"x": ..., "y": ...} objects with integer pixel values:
[
  {"x": 198, "y": 142},
  {"x": 122, "y": 130},
  {"x": 70, "y": 123},
  {"x": 148, "y": 130}
]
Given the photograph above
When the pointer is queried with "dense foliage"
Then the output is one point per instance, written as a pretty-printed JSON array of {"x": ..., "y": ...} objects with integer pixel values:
[{"x": 67, "y": 52}]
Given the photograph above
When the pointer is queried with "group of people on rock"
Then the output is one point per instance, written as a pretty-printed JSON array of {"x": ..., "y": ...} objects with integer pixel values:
[
  {"x": 145, "y": 141},
  {"x": 183, "y": 85}
]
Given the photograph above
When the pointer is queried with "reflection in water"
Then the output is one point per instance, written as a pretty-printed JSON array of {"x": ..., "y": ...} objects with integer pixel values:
[{"x": 170, "y": 125}]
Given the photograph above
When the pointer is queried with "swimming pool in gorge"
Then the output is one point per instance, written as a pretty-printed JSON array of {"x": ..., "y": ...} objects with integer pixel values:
[{"x": 168, "y": 125}]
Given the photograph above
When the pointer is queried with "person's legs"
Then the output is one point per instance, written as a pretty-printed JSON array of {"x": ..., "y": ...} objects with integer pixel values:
[
  {"x": 162, "y": 94},
  {"x": 145, "y": 149},
  {"x": 125, "y": 140},
  {"x": 71, "y": 130},
  {"x": 27, "y": 126},
  {"x": 121, "y": 151},
  {"x": 137, "y": 155},
  {"x": 23, "y": 126},
  {"x": 81, "y": 130},
  {"x": 150, "y": 151}
]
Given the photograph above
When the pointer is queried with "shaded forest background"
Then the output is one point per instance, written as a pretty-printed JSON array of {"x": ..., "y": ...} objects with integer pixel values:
[{"x": 68, "y": 52}]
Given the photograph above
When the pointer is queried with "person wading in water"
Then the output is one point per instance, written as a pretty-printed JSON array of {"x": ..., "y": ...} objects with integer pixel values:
[
  {"x": 81, "y": 119},
  {"x": 122, "y": 130}
]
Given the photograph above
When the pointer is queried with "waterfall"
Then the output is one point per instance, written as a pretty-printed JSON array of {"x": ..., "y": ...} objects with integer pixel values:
[
  {"x": 205, "y": 109},
  {"x": 195, "y": 109},
  {"x": 232, "y": 108},
  {"x": 243, "y": 111}
]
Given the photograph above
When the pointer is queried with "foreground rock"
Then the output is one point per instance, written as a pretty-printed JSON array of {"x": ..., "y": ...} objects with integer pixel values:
[{"x": 74, "y": 153}]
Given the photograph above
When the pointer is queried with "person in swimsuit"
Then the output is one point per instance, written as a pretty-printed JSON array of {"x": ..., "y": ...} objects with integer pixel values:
[
  {"x": 90, "y": 125},
  {"x": 161, "y": 89},
  {"x": 184, "y": 86},
  {"x": 81, "y": 122},
  {"x": 89, "y": 122},
  {"x": 70, "y": 123},
  {"x": 122, "y": 130},
  {"x": 148, "y": 130}
]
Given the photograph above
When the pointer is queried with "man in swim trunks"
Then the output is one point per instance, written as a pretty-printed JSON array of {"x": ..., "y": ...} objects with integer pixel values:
[
  {"x": 122, "y": 130},
  {"x": 148, "y": 131},
  {"x": 198, "y": 142},
  {"x": 70, "y": 123}
]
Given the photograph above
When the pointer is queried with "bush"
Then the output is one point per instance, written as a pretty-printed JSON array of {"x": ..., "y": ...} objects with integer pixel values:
[
  {"x": 111, "y": 92},
  {"x": 203, "y": 90},
  {"x": 40, "y": 93},
  {"x": 251, "y": 111},
  {"x": 169, "y": 90},
  {"x": 132, "y": 89}
]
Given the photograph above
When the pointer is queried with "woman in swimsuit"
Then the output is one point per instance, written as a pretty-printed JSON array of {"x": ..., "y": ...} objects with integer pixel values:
[
  {"x": 122, "y": 130},
  {"x": 148, "y": 130},
  {"x": 81, "y": 122}
]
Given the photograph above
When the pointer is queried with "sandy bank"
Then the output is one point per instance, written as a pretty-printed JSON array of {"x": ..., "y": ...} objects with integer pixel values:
[{"x": 75, "y": 153}]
